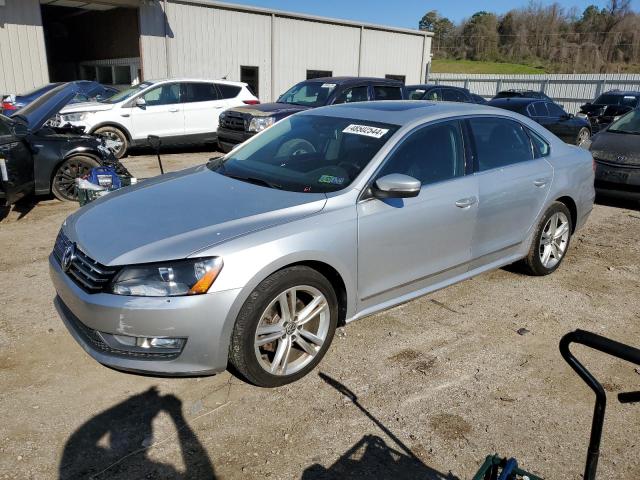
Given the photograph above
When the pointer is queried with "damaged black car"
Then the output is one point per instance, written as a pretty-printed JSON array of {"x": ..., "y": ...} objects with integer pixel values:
[{"x": 42, "y": 160}]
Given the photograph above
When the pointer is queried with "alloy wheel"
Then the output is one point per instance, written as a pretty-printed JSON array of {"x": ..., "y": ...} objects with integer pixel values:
[
  {"x": 113, "y": 141},
  {"x": 65, "y": 177},
  {"x": 292, "y": 330},
  {"x": 583, "y": 136},
  {"x": 554, "y": 240}
]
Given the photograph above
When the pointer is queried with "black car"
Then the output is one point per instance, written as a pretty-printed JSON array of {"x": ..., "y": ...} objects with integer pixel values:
[
  {"x": 616, "y": 152},
  {"x": 42, "y": 160},
  {"x": 550, "y": 115},
  {"x": 241, "y": 123},
  {"x": 608, "y": 107},
  {"x": 517, "y": 93},
  {"x": 441, "y": 93}
]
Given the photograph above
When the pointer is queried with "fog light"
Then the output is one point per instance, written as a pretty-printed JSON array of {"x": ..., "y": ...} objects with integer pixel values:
[{"x": 159, "y": 342}]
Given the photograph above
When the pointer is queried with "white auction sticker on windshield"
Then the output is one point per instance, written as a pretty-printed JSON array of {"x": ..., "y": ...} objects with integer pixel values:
[
  {"x": 366, "y": 130},
  {"x": 328, "y": 85}
]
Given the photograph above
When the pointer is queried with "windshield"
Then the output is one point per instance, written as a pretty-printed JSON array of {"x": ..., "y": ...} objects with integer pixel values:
[
  {"x": 307, "y": 153},
  {"x": 607, "y": 99},
  {"x": 630, "y": 123},
  {"x": 308, "y": 94},
  {"x": 128, "y": 93}
]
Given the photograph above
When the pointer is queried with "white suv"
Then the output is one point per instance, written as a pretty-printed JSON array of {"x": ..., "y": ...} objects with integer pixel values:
[{"x": 180, "y": 111}]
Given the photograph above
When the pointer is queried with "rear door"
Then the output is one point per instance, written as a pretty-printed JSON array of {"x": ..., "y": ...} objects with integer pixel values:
[
  {"x": 353, "y": 93},
  {"x": 513, "y": 186},
  {"x": 540, "y": 113},
  {"x": 16, "y": 165},
  {"x": 163, "y": 114},
  {"x": 202, "y": 106},
  {"x": 563, "y": 125}
]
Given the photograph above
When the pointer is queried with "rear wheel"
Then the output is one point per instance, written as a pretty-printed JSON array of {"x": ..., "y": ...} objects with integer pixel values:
[
  {"x": 115, "y": 140},
  {"x": 583, "y": 135},
  {"x": 551, "y": 241},
  {"x": 285, "y": 327},
  {"x": 63, "y": 184}
]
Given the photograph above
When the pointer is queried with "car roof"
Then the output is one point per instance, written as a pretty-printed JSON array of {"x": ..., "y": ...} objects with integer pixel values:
[
  {"x": 186, "y": 79},
  {"x": 347, "y": 80},
  {"x": 516, "y": 101},
  {"x": 428, "y": 86},
  {"x": 622, "y": 92},
  {"x": 402, "y": 112}
]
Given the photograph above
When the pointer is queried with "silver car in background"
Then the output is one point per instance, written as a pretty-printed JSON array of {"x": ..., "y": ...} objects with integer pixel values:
[{"x": 328, "y": 216}]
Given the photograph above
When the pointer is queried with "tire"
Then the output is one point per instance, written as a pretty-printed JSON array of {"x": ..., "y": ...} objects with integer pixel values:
[
  {"x": 255, "y": 355},
  {"x": 583, "y": 135},
  {"x": 541, "y": 259},
  {"x": 63, "y": 182},
  {"x": 116, "y": 140}
]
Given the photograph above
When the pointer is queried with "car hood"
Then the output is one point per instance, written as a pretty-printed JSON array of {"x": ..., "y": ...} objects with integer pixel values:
[
  {"x": 86, "y": 107},
  {"x": 618, "y": 148},
  {"x": 35, "y": 114},
  {"x": 271, "y": 109},
  {"x": 175, "y": 215}
]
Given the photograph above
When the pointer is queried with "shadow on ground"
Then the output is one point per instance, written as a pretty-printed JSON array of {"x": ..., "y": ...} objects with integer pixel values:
[
  {"x": 114, "y": 443},
  {"x": 618, "y": 201},
  {"x": 371, "y": 457}
]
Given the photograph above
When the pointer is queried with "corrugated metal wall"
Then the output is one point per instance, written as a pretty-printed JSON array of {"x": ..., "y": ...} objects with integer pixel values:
[
  {"x": 211, "y": 42},
  {"x": 570, "y": 90},
  {"x": 23, "y": 61}
]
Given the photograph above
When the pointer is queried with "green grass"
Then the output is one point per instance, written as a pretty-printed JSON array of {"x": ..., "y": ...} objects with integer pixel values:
[{"x": 471, "y": 66}]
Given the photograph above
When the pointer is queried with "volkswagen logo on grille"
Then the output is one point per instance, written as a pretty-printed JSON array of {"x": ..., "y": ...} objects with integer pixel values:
[
  {"x": 621, "y": 158},
  {"x": 68, "y": 257}
]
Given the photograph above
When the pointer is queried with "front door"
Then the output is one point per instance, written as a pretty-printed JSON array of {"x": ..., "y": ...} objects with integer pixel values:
[
  {"x": 405, "y": 245},
  {"x": 16, "y": 165},
  {"x": 162, "y": 114},
  {"x": 513, "y": 186}
]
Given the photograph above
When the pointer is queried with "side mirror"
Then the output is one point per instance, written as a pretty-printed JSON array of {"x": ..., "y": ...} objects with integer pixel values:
[
  {"x": 20, "y": 130},
  {"x": 141, "y": 102},
  {"x": 396, "y": 185}
]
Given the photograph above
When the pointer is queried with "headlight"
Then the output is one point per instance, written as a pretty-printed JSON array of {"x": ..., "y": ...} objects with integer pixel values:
[
  {"x": 182, "y": 277},
  {"x": 259, "y": 124},
  {"x": 75, "y": 117}
]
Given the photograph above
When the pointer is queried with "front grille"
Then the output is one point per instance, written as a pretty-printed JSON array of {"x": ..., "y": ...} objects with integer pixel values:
[
  {"x": 88, "y": 274},
  {"x": 94, "y": 339},
  {"x": 233, "y": 121}
]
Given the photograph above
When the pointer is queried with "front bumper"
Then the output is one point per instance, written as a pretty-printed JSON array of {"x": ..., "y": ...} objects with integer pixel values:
[
  {"x": 202, "y": 320},
  {"x": 617, "y": 180},
  {"x": 228, "y": 139}
]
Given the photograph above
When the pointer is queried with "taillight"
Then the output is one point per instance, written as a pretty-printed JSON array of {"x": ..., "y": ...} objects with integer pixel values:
[
  {"x": 251, "y": 102},
  {"x": 8, "y": 106}
]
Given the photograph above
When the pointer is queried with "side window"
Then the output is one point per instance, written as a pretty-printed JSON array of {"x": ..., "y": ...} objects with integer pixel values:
[
  {"x": 163, "y": 95},
  {"x": 199, "y": 92},
  {"x": 228, "y": 91},
  {"x": 452, "y": 95},
  {"x": 432, "y": 154},
  {"x": 353, "y": 94},
  {"x": 386, "y": 92},
  {"x": 540, "y": 110},
  {"x": 415, "y": 94},
  {"x": 499, "y": 142},
  {"x": 555, "y": 110},
  {"x": 541, "y": 147},
  {"x": 434, "y": 94}
]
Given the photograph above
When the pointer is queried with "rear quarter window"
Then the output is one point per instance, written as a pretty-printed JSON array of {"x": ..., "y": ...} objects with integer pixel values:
[{"x": 228, "y": 91}]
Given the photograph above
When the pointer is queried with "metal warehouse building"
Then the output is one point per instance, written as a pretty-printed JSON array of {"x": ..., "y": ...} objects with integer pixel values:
[{"x": 126, "y": 41}]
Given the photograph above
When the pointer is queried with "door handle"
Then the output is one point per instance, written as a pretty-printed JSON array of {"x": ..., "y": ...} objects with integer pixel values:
[
  {"x": 466, "y": 202},
  {"x": 541, "y": 182},
  {"x": 218, "y": 108},
  {"x": 124, "y": 115},
  {"x": 173, "y": 110}
]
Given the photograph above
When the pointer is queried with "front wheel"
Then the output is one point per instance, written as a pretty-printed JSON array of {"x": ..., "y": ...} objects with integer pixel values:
[
  {"x": 551, "y": 241},
  {"x": 115, "y": 140},
  {"x": 63, "y": 183},
  {"x": 583, "y": 135},
  {"x": 285, "y": 327}
]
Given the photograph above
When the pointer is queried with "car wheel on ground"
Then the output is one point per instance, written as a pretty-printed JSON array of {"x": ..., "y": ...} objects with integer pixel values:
[
  {"x": 551, "y": 241},
  {"x": 583, "y": 135},
  {"x": 116, "y": 140},
  {"x": 285, "y": 327},
  {"x": 63, "y": 184}
]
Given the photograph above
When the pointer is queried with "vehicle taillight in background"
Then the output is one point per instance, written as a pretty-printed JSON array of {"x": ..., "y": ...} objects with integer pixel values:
[
  {"x": 8, "y": 106},
  {"x": 251, "y": 102}
]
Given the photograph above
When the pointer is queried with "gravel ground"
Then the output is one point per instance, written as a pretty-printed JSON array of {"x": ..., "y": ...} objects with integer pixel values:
[{"x": 438, "y": 383}]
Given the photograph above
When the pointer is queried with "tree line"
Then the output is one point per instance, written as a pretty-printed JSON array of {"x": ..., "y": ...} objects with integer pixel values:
[{"x": 560, "y": 40}]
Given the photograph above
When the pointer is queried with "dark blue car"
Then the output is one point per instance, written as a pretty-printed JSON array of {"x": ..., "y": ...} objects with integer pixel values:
[{"x": 87, "y": 90}]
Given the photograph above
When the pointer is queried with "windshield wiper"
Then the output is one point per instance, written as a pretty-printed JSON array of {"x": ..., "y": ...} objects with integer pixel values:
[
  {"x": 627, "y": 132},
  {"x": 255, "y": 181}
]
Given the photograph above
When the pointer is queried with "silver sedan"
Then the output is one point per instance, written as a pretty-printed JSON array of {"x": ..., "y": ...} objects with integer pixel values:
[{"x": 326, "y": 217}]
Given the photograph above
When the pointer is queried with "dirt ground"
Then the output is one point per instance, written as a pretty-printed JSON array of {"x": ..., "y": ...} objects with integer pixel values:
[{"x": 438, "y": 383}]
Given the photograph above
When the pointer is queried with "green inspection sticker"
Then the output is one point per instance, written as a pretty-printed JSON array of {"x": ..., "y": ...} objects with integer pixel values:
[{"x": 331, "y": 179}]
